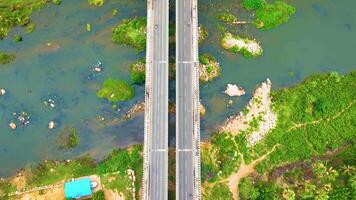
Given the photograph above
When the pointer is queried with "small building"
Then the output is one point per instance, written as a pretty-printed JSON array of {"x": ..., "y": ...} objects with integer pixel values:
[{"x": 78, "y": 189}]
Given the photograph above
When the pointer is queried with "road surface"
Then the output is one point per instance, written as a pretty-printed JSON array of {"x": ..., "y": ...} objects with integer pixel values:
[
  {"x": 185, "y": 87},
  {"x": 157, "y": 90}
]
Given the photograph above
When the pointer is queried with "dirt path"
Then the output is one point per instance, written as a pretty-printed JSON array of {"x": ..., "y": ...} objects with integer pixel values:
[
  {"x": 244, "y": 171},
  {"x": 299, "y": 125}
]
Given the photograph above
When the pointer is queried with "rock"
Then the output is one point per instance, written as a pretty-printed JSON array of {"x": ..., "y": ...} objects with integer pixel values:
[
  {"x": 51, "y": 125},
  {"x": 12, "y": 125},
  {"x": 52, "y": 105},
  {"x": 234, "y": 90},
  {"x": 202, "y": 109},
  {"x": 2, "y": 92},
  {"x": 97, "y": 69}
]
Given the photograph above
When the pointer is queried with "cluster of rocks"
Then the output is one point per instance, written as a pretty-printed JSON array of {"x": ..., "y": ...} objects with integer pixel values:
[
  {"x": 260, "y": 106},
  {"x": 234, "y": 90},
  {"x": 22, "y": 119},
  {"x": 245, "y": 46},
  {"x": 50, "y": 102}
]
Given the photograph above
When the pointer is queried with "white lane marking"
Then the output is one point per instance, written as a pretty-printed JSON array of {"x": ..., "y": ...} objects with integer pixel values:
[
  {"x": 185, "y": 150},
  {"x": 185, "y": 62},
  {"x": 159, "y": 150}
]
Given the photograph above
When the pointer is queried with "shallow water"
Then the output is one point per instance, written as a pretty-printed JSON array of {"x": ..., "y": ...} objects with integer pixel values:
[{"x": 320, "y": 37}]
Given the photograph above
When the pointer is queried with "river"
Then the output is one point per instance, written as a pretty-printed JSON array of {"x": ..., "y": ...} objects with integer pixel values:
[{"x": 320, "y": 37}]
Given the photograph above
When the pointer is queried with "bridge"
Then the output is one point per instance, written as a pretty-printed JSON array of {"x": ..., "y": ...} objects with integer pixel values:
[{"x": 155, "y": 175}]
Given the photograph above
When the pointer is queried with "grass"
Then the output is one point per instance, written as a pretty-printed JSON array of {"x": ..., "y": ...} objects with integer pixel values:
[
  {"x": 273, "y": 15},
  {"x": 131, "y": 32},
  {"x": 116, "y": 90},
  {"x": 6, "y": 58},
  {"x": 17, "y": 13}
]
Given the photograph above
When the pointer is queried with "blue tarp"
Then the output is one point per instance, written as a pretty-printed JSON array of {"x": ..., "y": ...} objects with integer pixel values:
[{"x": 78, "y": 188}]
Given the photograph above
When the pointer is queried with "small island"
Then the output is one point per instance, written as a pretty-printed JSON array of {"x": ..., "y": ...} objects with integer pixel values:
[
  {"x": 137, "y": 70},
  {"x": 247, "y": 47},
  {"x": 209, "y": 68}
]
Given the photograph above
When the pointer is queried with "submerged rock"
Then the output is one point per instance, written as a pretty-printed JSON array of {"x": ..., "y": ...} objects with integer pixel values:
[
  {"x": 51, "y": 125},
  {"x": 234, "y": 90},
  {"x": 2, "y": 92},
  {"x": 12, "y": 125}
]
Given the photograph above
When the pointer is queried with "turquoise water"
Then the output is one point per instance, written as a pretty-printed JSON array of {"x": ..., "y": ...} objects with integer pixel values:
[{"x": 320, "y": 37}]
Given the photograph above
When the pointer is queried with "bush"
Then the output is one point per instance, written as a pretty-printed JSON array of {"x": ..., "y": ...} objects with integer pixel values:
[
  {"x": 273, "y": 15},
  {"x": 116, "y": 90},
  {"x": 57, "y": 2},
  {"x": 131, "y": 32},
  {"x": 30, "y": 28},
  {"x": 227, "y": 17},
  {"x": 253, "y": 4}
]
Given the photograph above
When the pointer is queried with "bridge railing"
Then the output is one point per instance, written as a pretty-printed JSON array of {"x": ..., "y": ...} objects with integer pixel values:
[{"x": 148, "y": 102}]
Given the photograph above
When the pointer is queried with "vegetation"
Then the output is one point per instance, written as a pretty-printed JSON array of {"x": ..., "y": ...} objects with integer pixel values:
[
  {"x": 114, "y": 12},
  {"x": 96, "y": 2},
  {"x": 138, "y": 72},
  {"x": 273, "y": 15},
  {"x": 88, "y": 27},
  {"x": 235, "y": 44},
  {"x": 30, "y": 28},
  {"x": 6, "y": 58},
  {"x": 316, "y": 151},
  {"x": 209, "y": 68},
  {"x": 203, "y": 34},
  {"x": 253, "y": 4},
  {"x": 57, "y": 2},
  {"x": 131, "y": 32},
  {"x": 116, "y": 90},
  {"x": 68, "y": 138},
  {"x": 17, "y": 38},
  {"x": 17, "y": 12},
  {"x": 227, "y": 17},
  {"x": 99, "y": 195}
]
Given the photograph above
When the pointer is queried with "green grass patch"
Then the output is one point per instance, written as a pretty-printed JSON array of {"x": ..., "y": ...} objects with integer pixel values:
[
  {"x": 116, "y": 90},
  {"x": 131, "y": 32},
  {"x": 273, "y": 15}
]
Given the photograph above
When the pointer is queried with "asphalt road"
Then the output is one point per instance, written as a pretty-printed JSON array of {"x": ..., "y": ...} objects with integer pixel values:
[
  {"x": 184, "y": 94},
  {"x": 158, "y": 170}
]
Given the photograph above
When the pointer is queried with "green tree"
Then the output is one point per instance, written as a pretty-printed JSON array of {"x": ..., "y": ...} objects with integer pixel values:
[
  {"x": 253, "y": 4},
  {"x": 99, "y": 195}
]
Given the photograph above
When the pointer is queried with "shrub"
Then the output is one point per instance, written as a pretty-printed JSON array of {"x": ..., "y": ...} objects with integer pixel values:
[
  {"x": 273, "y": 15},
  {"x": 17, "y": 38},
  {"x": 116, "y": 90},
  {"x": 57, "y": 2},
  {"x": 227, "y": 17},
  {"x": 30, "y": 28}
]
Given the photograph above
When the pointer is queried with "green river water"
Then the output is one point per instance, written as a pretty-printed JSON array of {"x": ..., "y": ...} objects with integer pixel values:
[{"x": 320, "y": 37}]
